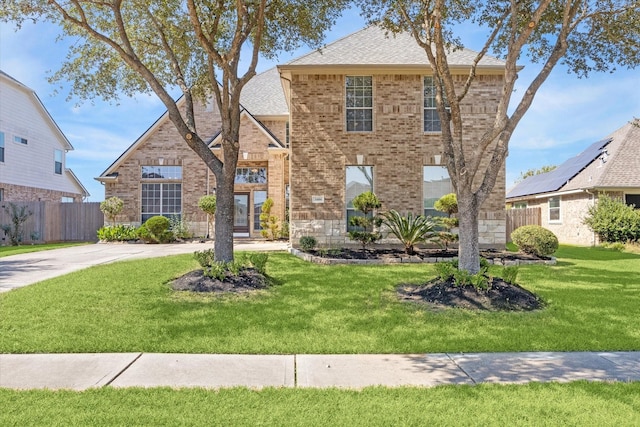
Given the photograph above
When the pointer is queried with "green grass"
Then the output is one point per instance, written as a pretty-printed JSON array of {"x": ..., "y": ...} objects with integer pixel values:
[
  {"x": 592, "y": 296},
  {"x": 23, "y": 249},
  {"x": 574, "y": 404}
]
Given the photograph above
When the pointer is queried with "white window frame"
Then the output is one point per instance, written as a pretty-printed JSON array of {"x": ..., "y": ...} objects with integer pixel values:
[
  {"x": 351, "y": 211},
  {"x": 166, "y": 178},
  {"x": 20, "y": 140},
  {"x": 554, "y": 208},
  {"x": 433, "y": 108},
  {"x": 58, "y": 153},
  {"x": 358, "y": 95},
  {"x": 1, "y": 147}
]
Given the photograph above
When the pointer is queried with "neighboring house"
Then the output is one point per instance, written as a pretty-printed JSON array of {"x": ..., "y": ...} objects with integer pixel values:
[
  {"x": 32, "y": 150},
  {"x": 357, "y": 115},
  {"x": 611, "y": 166},
  {"x": 160, "y": 175}
]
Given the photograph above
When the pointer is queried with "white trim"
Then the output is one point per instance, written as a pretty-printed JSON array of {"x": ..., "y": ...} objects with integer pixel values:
[{"x": 555, "y": 194}]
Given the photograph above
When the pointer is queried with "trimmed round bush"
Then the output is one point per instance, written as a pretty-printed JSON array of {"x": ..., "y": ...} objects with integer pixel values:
[
  {"x": 307, "y": 243},
  {"x": 156, "y": 230},
  {"x": 535, "y": 240}
]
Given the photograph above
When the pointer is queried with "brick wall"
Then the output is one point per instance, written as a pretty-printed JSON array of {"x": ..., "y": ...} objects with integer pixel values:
[
  {"x": 165, "y": 143},
  {"x": 20, "y": 193},
  {"x": 397, "y": 149}
]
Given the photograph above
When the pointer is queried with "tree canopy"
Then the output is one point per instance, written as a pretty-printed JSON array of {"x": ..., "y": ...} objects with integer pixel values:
[
  {"x": 533, "y": 171},
  {"x": 586, "y": 36},
  {"x": 200, "y": 47}
]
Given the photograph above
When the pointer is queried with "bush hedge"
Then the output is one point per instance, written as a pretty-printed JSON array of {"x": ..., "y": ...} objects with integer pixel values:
[
  {"x": 535, "y": 240},
  {"x": 613, "y": 220}
]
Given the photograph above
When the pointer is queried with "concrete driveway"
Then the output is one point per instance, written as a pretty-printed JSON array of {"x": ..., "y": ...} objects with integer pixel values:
[{"x": 21, "y": 270}]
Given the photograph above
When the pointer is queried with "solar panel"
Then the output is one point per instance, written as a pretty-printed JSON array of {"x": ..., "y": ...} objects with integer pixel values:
[{"x": 555, "y": 179}]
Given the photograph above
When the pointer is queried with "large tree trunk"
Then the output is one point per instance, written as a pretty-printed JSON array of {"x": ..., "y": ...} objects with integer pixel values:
[
  {"x": 225, "y": 206},
  {"x": 469, "y": 248}
]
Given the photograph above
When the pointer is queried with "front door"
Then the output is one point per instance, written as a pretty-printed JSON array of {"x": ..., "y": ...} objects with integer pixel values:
[{"x": 241, "y": 214}]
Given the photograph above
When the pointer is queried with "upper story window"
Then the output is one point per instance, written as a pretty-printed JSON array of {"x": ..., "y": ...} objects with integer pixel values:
[
  {"x": 251, "y": 176},
  {"x": 359, "y": 103},
  {"x": 554, "y": 209},
  {"x": 1, "y": 147},
  {"x": 20, "y": 140},
  {"x": 57, "y": 162},
  {"x": 437, "y": 183},
  {"x": 431, "y": 117},
  {"x": 162, "y": 172}
]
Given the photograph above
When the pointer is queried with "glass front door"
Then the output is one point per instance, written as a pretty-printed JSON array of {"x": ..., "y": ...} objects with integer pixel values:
[{"x": 241, "y": 213}]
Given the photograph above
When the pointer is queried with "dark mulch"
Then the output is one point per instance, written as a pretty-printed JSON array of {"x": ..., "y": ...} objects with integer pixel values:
[
  {"x": 248, "y": 280},
  {"x": 501, "y": 296},
  {"x": 382, "y": 253}
]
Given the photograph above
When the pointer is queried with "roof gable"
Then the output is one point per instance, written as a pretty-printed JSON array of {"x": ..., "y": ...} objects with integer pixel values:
[{"x": 376, "y": 46}]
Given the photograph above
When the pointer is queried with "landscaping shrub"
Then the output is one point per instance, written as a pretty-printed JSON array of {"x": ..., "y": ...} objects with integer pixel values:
[
  {"x": 366, "y": 203},
  {"x": 308, "y": 243},
  {"x": 117, "y": 233},
  {"x": 208, "y": 205},
  {"x": 111, "y": 208},
  {"x": 259, "y": 261},
  {"x": 180, "y": 228},
  {"x": 409, "y": 229},
  {"x": 269, "y": 224},
  {"x": 613, "y": 220},
  {"x": 447, "y": 204},
  {"x": 156, "y": 230},
  {"x": 205, "y": 258},
  {"x": 19, "y": 215},
  {"x": 535, "y": 240}
]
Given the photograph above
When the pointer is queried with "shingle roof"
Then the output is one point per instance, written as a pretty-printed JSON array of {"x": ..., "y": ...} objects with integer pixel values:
[
  {"x": 263, "y": 95},
  {"x": 374, "y": 46},
  {"x": 613, "y": 162}
]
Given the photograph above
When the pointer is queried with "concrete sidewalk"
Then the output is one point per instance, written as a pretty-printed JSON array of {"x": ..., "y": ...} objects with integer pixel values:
[
  {"x": 83, "y": 371},
  {"x": 25, "y": 269}
]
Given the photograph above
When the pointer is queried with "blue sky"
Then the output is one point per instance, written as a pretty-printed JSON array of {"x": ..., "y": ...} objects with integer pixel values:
[{"x": 567, "y": 115}]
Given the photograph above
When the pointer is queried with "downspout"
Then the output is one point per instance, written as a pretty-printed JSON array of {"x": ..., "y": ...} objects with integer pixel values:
[{"x": 593, "y": 197}]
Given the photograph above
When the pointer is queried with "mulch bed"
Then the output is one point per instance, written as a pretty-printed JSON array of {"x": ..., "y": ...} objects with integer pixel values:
[
  {"x": 248, "y": 280},
  {"x": 381, "y": 254},
  {"x": 500, "y": 296}
]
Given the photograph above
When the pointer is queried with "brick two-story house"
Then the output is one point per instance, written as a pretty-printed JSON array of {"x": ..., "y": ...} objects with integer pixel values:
[
  {"x": 357, "y": 115},
  {"x": 362, "y": 116}
]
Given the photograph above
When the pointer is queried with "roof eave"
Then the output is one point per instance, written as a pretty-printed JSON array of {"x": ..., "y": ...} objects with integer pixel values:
[{"x": 288, "y": 69}]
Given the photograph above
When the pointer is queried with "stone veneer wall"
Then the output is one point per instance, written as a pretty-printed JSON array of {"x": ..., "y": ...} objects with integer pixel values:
[
  {"x": 20, "y": 193},
  {"x": 397, "y": 149}
]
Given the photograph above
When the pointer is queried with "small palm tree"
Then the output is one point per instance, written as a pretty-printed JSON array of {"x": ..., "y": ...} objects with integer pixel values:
[{"x": 409, "y": 229}]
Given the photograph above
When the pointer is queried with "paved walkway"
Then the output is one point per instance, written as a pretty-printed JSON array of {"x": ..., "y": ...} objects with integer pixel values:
[
  {"x": 82, "y": 371},
  {"x": 25, "y": 269}
]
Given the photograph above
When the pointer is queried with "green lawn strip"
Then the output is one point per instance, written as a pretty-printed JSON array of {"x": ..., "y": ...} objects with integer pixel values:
[
  {"x": 592, "y": 299},
  {"x": 572, "y": 404},
  {"x": 23, "y": 249}
]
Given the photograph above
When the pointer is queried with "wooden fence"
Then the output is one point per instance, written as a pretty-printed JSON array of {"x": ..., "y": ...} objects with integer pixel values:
[
  {"x": 55, "y": 222},
  {"x": 519, "y": 217}
]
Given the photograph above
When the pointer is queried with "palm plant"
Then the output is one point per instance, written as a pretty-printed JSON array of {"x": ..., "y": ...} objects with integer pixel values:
[{"x": 409, "y": 229}]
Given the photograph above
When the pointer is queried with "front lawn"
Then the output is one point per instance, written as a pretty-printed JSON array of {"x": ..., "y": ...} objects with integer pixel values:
[
  {"x": 592, "y": 297},
  {"x": 575, "y": 404}
]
